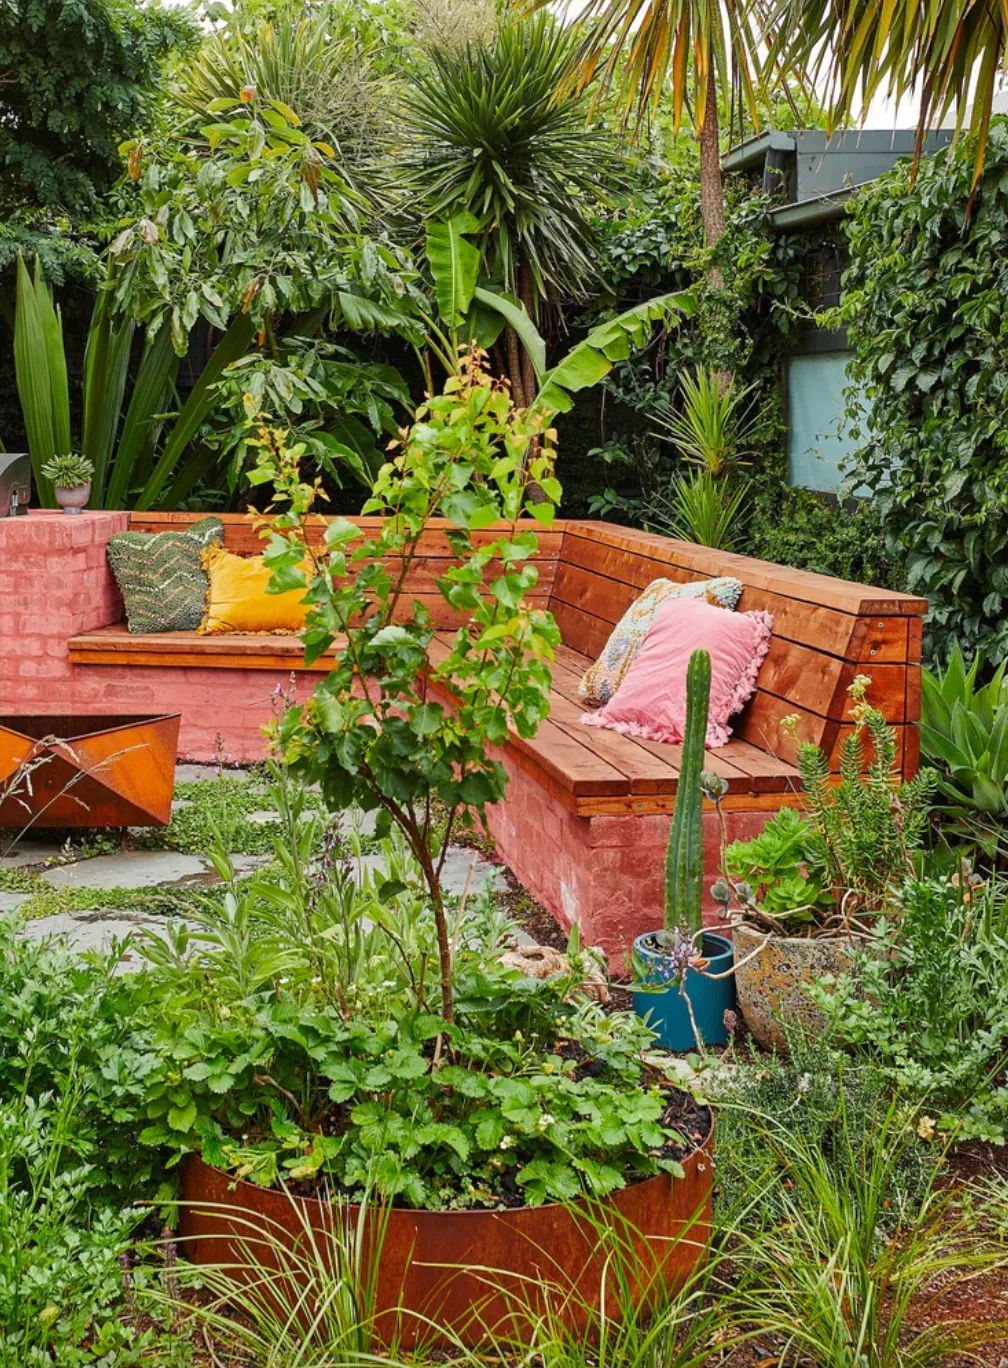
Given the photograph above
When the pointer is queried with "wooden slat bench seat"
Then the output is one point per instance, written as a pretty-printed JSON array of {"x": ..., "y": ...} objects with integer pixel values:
[{"x": 586, "y": 818}]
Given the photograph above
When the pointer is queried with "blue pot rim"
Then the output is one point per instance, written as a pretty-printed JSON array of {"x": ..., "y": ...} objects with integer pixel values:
[{"x": 718, "y": 962}]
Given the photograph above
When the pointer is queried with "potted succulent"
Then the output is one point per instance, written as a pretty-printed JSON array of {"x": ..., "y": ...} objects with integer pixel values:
[
  {"x": 811, "y": 884},
  {"x": 71, "y": 480},
  {"x": 683, "y": 983}
]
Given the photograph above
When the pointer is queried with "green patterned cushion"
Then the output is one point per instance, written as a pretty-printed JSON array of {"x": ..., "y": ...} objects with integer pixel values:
[{"x": 163, "y": 583}]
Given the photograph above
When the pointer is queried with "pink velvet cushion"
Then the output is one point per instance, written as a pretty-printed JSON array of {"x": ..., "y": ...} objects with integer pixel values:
[{"x": 651, "y": 701}]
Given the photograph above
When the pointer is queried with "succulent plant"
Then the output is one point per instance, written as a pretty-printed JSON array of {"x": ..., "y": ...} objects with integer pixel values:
[
  {"x": 69, "y": 471},
  {"x": 684, "y": 865}
]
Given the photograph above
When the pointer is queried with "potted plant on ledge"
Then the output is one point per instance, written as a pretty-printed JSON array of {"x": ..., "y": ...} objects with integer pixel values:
[
  {"x": 71, "y": 480},
  {"x": 683, "y": 983},
  {"x": 812, "y": 884}
]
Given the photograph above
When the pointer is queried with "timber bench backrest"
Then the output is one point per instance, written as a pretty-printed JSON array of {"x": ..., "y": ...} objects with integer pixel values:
[{"x": 826, "y": 630}]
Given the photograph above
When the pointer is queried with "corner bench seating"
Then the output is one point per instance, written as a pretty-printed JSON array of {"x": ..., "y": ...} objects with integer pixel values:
[{"x": 586, "y": 817}]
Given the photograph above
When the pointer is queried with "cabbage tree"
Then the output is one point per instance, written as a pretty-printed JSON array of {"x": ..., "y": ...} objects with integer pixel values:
[{"x": 509, "y": 172}]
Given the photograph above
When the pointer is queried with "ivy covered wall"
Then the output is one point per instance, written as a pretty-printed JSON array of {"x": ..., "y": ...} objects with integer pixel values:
[{"x": 926, "y": 311}]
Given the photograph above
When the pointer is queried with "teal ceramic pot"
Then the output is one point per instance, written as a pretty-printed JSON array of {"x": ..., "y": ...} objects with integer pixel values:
[{"x": 666, "y": 1012}]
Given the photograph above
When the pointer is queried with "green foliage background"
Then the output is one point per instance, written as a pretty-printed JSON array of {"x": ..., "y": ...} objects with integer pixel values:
[{"x": 925, "y": 310}]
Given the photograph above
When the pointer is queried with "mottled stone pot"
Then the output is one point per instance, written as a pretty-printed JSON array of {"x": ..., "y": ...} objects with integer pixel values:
[{"x": 772, "y": 981}]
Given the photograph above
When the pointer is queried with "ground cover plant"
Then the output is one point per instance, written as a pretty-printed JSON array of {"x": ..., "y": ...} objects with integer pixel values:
[{"x": 295, "y": 1032}]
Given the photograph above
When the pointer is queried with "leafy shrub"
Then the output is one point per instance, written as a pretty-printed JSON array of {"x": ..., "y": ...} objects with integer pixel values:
[
  {"x": 964, "y": 730},
  {"x": 860, "y": 837},
  {"x": 930, "y": 1006},
  {"x": 924, "y": 311},
  {"x": 377, "y": 730},
  {"x": 296, "y": 1033},
  {"x": 64, "y": 1031},
  {"x": 801, "y": 528},
  {"x": 68, "y": 1156},
  {"x": 813, "y": 1091}
]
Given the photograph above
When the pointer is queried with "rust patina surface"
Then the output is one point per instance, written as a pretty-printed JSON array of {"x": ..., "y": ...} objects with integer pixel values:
[
  {"x": 467, "y": 1270},
  {"x": 87, "y": 771}
]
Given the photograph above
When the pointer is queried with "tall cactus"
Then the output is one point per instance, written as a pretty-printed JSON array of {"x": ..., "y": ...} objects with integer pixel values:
[{"x": 684, "y": 857}]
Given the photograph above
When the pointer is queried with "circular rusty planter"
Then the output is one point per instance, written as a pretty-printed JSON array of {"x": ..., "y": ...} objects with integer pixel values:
[
  {"x": 773, "y": 981},
  {"x": 471, "y": 1272}
]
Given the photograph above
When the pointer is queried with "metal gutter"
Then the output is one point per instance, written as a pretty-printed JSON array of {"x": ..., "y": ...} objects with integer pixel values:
[{"x": 751, "y": 153}]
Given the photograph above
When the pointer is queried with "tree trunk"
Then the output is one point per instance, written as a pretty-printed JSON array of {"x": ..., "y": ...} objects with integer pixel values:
[
  {"x": 711, "y": 189},
  {"x": 441, "y": 925},
  {"x": 514, "y": 366}
]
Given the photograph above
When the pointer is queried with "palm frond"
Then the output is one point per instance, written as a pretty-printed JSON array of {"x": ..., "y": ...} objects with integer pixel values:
[{"x": 855, "y": 50}]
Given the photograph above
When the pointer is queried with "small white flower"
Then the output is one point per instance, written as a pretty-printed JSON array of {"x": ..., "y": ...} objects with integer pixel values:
[
  {"x": 804, "y": 1083},
  {"x": 546, "y": 1120},
  {"x": 508, "y": 1142}
]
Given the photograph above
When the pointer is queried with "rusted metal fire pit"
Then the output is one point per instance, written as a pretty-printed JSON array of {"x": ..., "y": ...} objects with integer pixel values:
[
  {"x": 81, "y": 771},
  {"x": 468, "y": 1271}
]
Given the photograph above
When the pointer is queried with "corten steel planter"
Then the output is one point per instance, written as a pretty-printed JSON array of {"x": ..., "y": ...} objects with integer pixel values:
[
  {"x": 87, "y": 771},
  {"x": 468, "y": 1271},
  {"x": 771, "y": 986}
]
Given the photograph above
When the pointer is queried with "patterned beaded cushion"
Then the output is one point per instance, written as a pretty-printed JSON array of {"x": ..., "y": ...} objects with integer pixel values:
[
  {"x": 163, "y": 583},
  {"x": 602, "y": 679}
]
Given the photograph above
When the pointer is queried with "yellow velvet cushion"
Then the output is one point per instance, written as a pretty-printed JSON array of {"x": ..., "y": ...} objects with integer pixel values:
[{"x": 237, "y": 600}]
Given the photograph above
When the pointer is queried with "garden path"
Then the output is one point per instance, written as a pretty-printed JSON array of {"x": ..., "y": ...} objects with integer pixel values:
[{"x": 92, "y": 892}]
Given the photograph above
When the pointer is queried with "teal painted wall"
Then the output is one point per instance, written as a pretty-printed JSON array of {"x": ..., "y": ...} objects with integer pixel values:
[{"x": 817, "y": 431}]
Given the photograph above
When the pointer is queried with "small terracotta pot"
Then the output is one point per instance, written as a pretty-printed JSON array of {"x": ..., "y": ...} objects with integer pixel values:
[
  {"x": 73, "y": 500},
  {"x": 469, "y": 1271},
  {"x": 773, "y": 981}
]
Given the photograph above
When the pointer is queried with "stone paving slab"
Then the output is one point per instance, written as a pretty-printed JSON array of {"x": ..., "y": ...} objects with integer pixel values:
[
  {"x": 10, "y": 902},
  {"x": 456, "y": 870},
  {"x": 30, "y": 853},
  {"x": 145, "y": 869},
  {"x": 95, "y": 930},
  {"x": 188, "y": 774}
]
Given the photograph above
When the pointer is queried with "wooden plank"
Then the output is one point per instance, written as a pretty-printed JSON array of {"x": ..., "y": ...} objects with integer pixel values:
[
  {"x": 713, "y": 760},
  {"x": 915, "y": 645},
  {"x": 650, "y": 804},
  {"x": 760, "y": 724},
  {"x": 645, "y": 772},
  {"x": 878, "y": 639},
  {"x": 601, "y": 602},
  {"x": 243, "y": 531},
  {"x": 821, "y": 590},
  {"x": 767, "y": 773},
  {"x": 189, "y": 650}
]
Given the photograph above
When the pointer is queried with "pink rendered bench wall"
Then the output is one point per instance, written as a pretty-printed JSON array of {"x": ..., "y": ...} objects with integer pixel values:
[{"x": 55, "y": 582}]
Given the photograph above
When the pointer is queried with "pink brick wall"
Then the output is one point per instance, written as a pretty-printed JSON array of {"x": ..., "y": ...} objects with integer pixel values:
[
  {"x": 55, "y": 581},
  {"x": 604, "y": 873}
]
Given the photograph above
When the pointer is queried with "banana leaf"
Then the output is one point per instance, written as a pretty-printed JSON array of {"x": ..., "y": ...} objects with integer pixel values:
[
  {"x": 515, "y": 313},
  {"x": 454, "y": 264},
  {"x": 586, "y": 364}
]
